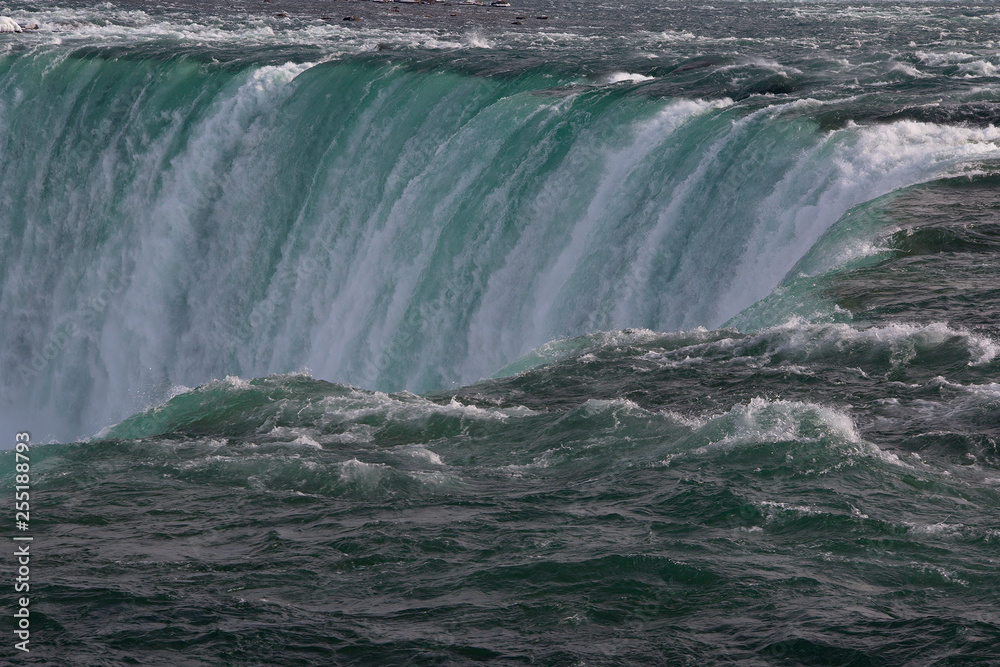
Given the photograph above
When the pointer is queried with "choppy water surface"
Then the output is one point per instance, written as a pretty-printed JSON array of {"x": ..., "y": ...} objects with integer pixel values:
[{"x": 640, "y": 334}]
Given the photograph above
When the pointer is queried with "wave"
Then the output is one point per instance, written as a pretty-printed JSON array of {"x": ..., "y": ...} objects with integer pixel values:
[
  {"x": 291, "y": 433},
  {"x": 389, "y": 227},
  {"x": 877, "y": 350}
]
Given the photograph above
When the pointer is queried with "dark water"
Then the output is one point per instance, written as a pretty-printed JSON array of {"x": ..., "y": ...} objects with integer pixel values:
[{"x": 635, "y": 335}]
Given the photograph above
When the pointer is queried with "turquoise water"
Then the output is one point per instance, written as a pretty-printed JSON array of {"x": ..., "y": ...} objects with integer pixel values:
[{"x": 648, "y": 334}]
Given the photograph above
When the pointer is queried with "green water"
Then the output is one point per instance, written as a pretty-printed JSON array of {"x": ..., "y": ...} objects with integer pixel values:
[{"x": 634, "y": 335}]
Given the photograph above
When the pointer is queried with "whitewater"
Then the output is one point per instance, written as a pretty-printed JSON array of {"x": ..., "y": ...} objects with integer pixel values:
[{"x": 553, "y": 334}]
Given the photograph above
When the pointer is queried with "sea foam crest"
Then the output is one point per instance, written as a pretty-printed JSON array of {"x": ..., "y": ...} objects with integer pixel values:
[
  {"x": 620, "y": 77},
  {"x": 405, "y": 406},
  {"x": 763, "y": 420},
  {"x": 892, "y": 346},
  {"x": 822, "y": 438},
  {"x": 904, "y": 341}
]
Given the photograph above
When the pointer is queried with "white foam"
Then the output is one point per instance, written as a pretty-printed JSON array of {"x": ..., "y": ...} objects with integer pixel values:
[
  {"x": 769, "y": 421},
  {"x": 408, "y": 407},
  {"x": 477, "y": 40},
  {"x": 938, "y": 529},
  {"x": 900, "y": 338},
  {"x": 671, "y": 36},
  {"x": 235, "y": 382},
  {"x": 798, "y": 341},
  {"x": 294, "y": 436},
  {"x": 948, "y": 575},
  {"x": 939, "y": 59},
  {"x": 750, "y": 529},
  {"x": 978, "y": 68},
  {"x": 8, "y": 24},
  {"x": 763, "y": 63},
  {"x": 788, "y": 507},
  {"x": 619, "y": 77},
  {"x": 908, "y": 70},
  {"x": 420, "y": 452},
  {"x": 359, "y": 471},
  {"x": 763, "y": 420},
  {"x": 595, "y": 406},
  {"x": 307, "y": 441}
]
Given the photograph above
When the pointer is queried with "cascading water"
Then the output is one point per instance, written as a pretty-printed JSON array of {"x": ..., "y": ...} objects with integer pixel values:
[{"x": 387, "y": 227}]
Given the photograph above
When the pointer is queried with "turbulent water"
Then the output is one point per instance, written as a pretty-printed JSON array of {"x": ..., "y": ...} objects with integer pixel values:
[{"x": 562, "y": 334}]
